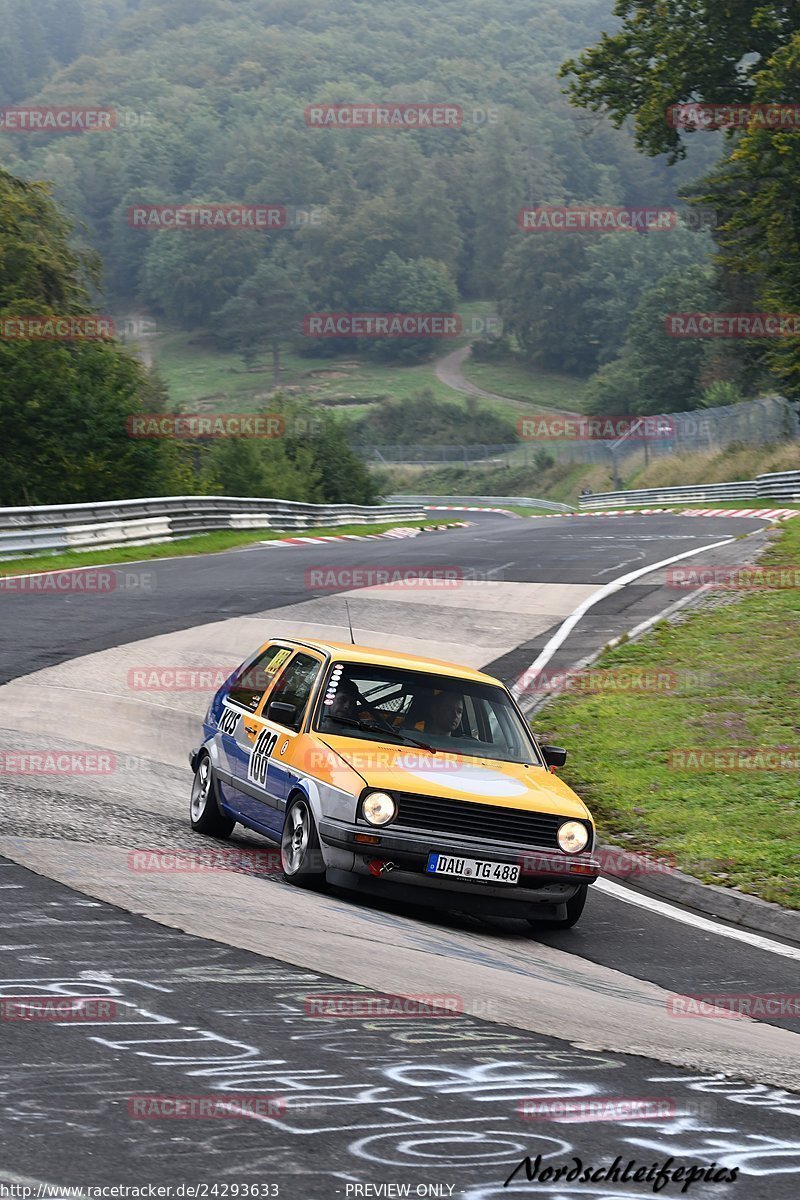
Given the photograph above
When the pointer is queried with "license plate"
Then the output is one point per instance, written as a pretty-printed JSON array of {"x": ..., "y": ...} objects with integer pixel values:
[{"x": 477, "y": 870}]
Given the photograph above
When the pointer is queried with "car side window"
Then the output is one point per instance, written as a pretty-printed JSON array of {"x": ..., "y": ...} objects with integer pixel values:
[
  {"x": 250, "y": 685},
  {"x": 295, "y": 685}
]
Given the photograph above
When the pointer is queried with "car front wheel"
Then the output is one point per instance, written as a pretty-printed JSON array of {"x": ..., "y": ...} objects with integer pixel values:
[
  {"x": 301, "y": 855},
  {"x": 204, "y": 811},
  {"x": 575, "y": 906}
]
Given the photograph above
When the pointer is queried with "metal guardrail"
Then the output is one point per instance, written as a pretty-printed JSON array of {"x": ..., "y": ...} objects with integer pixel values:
[
  {"x": 142, "y": 522},
  {"x": 488, "y": 501},
  {"x": 742, "y": 490},
  {"x": 782, "y": 485}
]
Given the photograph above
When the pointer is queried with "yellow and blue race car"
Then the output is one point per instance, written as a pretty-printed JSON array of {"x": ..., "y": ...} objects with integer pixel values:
[{"x": 406, "y": 777}]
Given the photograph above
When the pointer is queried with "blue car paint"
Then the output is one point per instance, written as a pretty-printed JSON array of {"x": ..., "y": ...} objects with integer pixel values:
[{"x": 262, "y": 817}]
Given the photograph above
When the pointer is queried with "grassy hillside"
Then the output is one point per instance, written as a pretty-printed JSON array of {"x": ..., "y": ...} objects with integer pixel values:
[{"x": 564, "y": 481}]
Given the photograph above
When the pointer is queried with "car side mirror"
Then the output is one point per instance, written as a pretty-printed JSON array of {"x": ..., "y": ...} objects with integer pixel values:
[
  {"x": 554, "y": 756},
  {"x": 283, "y": 714}
]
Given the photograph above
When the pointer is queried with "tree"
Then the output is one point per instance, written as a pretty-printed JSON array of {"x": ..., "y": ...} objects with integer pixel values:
[
  {"x": 420, "y": 418},
  {"x": 37, "y": 263},
  {"x": 677, "y": 51},
  {"x": 701, "y": 50},
  {"x": 408, "y": 286},
  {"x": 63, "y": 413},
  {"x": 621, "y": 267},
  {"x": 343, "y": 477},
  {"x": 359, "y": 234},
  {"x": 656, "y": 373},
  {"x": 495, "y": 174},
  {"x": 241, "y": 467},
  {"x": 64, "y": 404},
  {"x": 190, "y": 273},
  {"x": 541, "y": 300},
  {"x": 314, "y": 462},
  {"x": 757, "y": 191},
  {"x": 266, "y": 312}
]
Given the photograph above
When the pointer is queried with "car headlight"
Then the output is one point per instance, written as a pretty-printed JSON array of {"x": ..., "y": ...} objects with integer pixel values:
[
  {"x": 378, "y": 808},
  {"x": 573, "y": 837}
]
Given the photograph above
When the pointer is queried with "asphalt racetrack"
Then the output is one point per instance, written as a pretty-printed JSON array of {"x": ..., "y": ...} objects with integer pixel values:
[{"x": 206, "y": 976}]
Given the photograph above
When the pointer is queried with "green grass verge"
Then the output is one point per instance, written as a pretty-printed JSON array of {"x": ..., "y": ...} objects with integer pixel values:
[
  {"x": 202, "y": 543},
  {"x": 737, "y": 669},
  {"x": 531, "y": 512},
  {"x": 513, "y": 378},
  {"x": 520, "y": 509},
  {"x": 202, "y": 378}
]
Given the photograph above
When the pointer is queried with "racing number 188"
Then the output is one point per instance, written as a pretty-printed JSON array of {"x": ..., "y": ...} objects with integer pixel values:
[{"x": 259, "y": 759}]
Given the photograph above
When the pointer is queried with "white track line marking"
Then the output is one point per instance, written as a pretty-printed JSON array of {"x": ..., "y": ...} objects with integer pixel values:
[
  {"x": 567, "y": 626},
  {"x": 664, "y": 909}
]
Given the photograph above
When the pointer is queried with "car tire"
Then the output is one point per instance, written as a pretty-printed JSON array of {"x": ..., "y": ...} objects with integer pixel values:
[
  {"x": 204, "y": 810},
  {"x": 301, "y": 853},
  {"x": 575, "y": 906}
]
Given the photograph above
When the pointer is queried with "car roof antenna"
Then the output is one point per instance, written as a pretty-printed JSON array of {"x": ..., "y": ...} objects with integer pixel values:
[{"x": 349, "y": 623}]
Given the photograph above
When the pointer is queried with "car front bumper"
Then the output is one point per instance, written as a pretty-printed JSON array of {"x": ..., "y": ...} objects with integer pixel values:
[{"x": 396, "y": 866}]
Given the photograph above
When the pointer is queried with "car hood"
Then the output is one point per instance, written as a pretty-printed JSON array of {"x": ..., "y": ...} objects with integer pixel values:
[{"x": 392, "y": 768}]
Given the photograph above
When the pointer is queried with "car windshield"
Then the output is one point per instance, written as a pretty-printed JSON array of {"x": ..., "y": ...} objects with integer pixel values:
[{"x": 462, "y": 716}]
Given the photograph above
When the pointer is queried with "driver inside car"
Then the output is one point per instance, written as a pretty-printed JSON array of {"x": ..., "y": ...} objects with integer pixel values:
[
  {"x": 443, "y": 714},
  {"x": 446, "y": 712},
  {"x": 345, "y": 702}
]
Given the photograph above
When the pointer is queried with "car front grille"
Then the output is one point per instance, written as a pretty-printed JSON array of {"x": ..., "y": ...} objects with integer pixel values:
[{"x": 487, "y": 822}]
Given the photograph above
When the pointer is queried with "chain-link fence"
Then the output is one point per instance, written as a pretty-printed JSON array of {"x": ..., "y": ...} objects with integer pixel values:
[{"x": 757, "y": 422}]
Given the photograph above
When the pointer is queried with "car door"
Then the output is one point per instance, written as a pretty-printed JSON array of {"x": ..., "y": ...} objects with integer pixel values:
[
  {"x": 242, "y": 701},
  {"x": 265, "y": 783}
]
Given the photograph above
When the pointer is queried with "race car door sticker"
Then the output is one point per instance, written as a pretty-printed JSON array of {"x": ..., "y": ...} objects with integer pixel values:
[
  {"x": 259, "y": 760},
  {"x": 277, "y": 662},
  {"x": 228, "y": 720}
]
